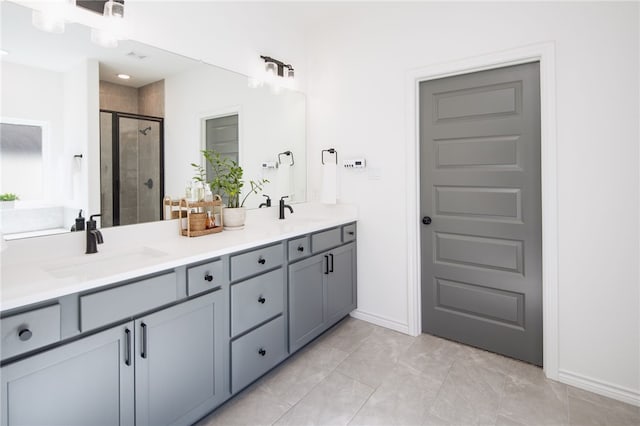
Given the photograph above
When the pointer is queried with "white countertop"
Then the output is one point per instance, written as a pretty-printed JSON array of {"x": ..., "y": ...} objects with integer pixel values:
[{"x": 39, "y": 269}]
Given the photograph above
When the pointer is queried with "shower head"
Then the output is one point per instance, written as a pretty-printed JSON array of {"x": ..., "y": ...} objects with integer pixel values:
[{"x": 145, "y": 130}]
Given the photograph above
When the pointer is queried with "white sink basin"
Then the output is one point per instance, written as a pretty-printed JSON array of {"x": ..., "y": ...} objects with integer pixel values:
[{"x": 94, "y": 265}]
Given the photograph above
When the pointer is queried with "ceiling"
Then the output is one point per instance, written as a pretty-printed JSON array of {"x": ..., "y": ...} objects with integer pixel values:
[{"x": 60, "y": 52}]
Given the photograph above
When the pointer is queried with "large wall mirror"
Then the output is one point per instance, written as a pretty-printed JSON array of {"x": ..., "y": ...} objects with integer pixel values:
[{"x": 76, "y": 136}]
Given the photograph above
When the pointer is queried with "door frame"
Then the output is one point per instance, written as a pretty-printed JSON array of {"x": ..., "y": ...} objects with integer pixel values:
[{"x": 544, "y": 53}]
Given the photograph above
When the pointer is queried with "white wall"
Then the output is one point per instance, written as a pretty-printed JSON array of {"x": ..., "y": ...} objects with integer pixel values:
[
  {"x": 356, "y": 103},
  {"x": 231, "y": 35}
]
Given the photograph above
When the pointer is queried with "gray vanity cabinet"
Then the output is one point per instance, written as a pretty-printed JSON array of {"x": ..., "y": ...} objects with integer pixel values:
[
  {"x": 86, "y": 382},
  {"x": 341, "y": 283},
  {"x": 322, "y": 290},
  {"x": 306, "y": 301},
  {"x": 179, "y": 361}
]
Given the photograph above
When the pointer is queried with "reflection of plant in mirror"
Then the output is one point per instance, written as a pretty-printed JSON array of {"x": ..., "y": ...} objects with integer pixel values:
[
  {"x": 8, "y": 196},
  {"x": 227, "y": 179}
]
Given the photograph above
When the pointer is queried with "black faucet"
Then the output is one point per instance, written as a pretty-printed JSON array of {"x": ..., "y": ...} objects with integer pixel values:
[
  {"x": 94, "y": 237},
  {"x": 265, "y": 204},
  {"x": 283, "y": 205}
]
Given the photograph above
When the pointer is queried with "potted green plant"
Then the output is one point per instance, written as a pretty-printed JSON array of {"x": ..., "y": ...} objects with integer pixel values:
[
  {"x": 227, "y": 181},
  {"x": 7, "y": 200}
]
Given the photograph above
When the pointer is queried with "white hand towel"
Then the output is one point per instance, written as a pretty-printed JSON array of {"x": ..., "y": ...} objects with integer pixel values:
[
  {"x": 283, "y": 178},
  {"x": 329, "y": 186}
]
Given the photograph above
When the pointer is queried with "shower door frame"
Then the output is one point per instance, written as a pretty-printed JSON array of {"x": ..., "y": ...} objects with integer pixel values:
[{"x": 115, "y": 154}]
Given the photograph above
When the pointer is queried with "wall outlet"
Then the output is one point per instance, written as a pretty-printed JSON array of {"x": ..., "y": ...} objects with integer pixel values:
[
  {"x": 269, "y": 165},
  {"x": 354, "y": 163}
]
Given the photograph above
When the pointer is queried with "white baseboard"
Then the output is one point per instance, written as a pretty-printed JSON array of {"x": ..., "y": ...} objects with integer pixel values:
[
  {"x": 381, "y": 321},
  {"x": 609, "y": 390}
]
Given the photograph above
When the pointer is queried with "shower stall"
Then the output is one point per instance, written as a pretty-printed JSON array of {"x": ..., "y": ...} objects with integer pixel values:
[{"x": 131, "y": 168}]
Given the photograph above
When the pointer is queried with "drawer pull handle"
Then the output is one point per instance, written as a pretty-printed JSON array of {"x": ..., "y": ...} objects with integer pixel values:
[
  {"x": 262, "y": 352},
  {"x": 261, "y": 300},
  {"x": 143, "y": 351},
  {"x": 24, "y": 334},
  {"x": 350, "y": 232},
  {"x": 326, "y": 264},
  {"x": 300, "y": 249},
  {"x": 127, "y": 350},
  {"x": 208, "y": 277},
  {"x": 262, "y": 260},
  {"x": 331, "y": 268}
]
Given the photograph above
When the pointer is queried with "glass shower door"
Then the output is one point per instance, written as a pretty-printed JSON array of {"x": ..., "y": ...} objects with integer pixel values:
[{"x": 136, "y": 173}]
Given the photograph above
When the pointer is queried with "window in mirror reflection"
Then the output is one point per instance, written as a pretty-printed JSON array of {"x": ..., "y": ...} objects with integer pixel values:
[{"x": 21, "y": 159}]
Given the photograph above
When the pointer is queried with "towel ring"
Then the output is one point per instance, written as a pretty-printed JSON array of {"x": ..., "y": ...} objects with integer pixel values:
[
  {"x": 330, "y": 151},
  {"x": 288, "y": 154}
]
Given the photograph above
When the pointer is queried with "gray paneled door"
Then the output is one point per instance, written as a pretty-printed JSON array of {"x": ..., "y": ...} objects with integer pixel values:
[{"x": 480, "y": 197}]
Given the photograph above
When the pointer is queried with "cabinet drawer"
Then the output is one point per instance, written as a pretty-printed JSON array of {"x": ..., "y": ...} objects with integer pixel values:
[
  {"x": 349, "y": 233},
  {"x": 255, "y": 353},
  {"x": 256, "y": 300},
  {"x": 30, "y": 330},
  {"x": 325, "y": 240},
  {"x": 299, "y": 248},
  {"x": 204, "y": 277},
  {"x": 107, "y": 306},
  {"x": 256, "y": 261}
]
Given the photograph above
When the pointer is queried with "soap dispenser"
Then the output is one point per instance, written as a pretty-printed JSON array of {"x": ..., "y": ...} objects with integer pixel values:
[{"x": 79, "y": 225}]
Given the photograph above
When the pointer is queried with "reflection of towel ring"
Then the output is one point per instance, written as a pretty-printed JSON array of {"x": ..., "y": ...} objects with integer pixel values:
[
  {"x": 288, "y": 154},
  {"x": 330, "y": 151}
]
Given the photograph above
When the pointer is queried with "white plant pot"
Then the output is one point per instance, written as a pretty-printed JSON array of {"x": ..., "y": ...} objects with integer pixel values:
[{"x": 233, "y": 218}]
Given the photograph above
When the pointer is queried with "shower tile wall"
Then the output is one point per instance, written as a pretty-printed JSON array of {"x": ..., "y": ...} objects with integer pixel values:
[
  {"x": 115, "y": 97},
  {"x": 106, "y": 171},
  {"x": 151, "y": 99}
]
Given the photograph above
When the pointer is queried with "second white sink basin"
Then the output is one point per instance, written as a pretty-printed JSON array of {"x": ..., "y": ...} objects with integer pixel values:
[{"x": 92, "y": 265}]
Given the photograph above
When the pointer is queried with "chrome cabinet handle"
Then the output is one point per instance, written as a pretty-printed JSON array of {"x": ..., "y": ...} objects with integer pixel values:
[
  {"x": 143, "y": 350},
  {"x": 24, "y": 334},
  {"x": 127, "y": 347}
]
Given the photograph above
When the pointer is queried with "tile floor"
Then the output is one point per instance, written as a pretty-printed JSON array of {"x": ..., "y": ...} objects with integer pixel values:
[{"x": 361, "y": 374}]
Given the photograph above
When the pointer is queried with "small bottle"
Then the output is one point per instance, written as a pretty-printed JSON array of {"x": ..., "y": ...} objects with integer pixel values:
[
  {"x": 188, "y": 192},
  {"x": 210, "y": 221},
  {"x": 208, "y": 195}
]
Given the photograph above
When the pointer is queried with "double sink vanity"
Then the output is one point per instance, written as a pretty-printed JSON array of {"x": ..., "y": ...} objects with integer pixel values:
[{"x": 159, "y": 329}]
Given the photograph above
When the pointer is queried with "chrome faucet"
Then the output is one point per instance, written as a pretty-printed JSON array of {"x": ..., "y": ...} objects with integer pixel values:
[
  {"x": 267, "y": 203},
  {"x": 283, "y": 206},
  {"x": 94, "y": 236}
]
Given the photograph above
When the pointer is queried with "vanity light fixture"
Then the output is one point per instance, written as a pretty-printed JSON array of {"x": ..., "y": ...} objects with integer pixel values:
[
  {"x": 124, "y": 76},
  {"x": 113, "y": 9},
  {"x": 109, "y": 34},
  {"x": 274, "y": 67}
]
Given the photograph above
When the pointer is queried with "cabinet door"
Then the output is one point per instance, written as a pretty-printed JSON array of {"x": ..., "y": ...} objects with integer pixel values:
[
  {"x": 180, "y": 367},
  {"x": 341, "y": 283},
  {"x": 306, "y": 300},
  {"x": 86, "y": 382}
]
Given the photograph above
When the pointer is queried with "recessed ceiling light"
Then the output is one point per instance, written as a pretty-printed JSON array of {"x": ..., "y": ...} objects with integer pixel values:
[{"x": 124, "y": 76}]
